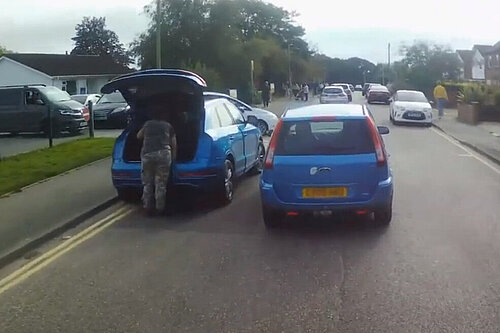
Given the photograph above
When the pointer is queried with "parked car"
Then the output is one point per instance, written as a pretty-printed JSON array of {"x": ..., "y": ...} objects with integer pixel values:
[
  {"x": 111, "y": 110},
  {"x": 358, "y": 87},
  {"x": 346, "y": 88},
  {"x": 27, "y": 108},
  {"x": 215, "y": 143},
  {"x": 324, "y": 159},
  {"x": 378, "y": 94},
  {"x": 86, "y": 98},
  {"x": 266, "y": 120},
  {"x": 410, "y": 106},
  {"x": 366, "y": 87},
  {"x": 333, "y": 94}
]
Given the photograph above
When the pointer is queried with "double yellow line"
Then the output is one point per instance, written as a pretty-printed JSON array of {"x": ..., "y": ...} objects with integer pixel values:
[{"x": 34, "y": 266}]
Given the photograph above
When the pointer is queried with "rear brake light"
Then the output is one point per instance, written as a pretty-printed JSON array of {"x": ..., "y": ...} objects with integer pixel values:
[
  {"x": 377, "y": 142},
  {"x": 268, "y": 164}
]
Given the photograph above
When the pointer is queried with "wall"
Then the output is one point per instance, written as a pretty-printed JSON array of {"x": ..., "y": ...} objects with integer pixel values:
[
  {"x": 478, "y": 64},
  {"x": 94, "y": 85},
  {"x": 12, "y": 73}
]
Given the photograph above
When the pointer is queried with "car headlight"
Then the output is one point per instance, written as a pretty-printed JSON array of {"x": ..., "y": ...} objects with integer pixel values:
[
  {"x": 71, "y": 112},
  {"x": 120, "y": 109}
]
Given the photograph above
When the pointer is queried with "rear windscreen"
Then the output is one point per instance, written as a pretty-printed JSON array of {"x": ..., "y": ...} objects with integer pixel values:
[
  {"x": 336, "y": 137},
  {"x": 333, "y": 90}
]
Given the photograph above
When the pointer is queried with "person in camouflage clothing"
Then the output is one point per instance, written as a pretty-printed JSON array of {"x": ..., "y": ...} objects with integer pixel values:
[{"x": 158, "y": 151}]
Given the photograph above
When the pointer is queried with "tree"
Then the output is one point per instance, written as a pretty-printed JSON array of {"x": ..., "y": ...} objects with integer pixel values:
[
  {"x": 92, "y": 38},
  {"x": 4, "y": 50}
]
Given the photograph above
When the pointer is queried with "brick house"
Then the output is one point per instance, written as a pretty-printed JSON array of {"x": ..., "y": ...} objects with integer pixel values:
[{"x": 492, "y": 58}]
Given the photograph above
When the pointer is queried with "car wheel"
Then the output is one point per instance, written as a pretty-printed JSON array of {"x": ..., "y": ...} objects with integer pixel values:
[
  {"x": 261, "y": 153},
  {"x": 128, "y": 194},
  {"x": 383, "y": 216},
  {"x": 262, "y": 125},
  {"x": 272, "y": 217},
  {"x": 227, "y": 190}
]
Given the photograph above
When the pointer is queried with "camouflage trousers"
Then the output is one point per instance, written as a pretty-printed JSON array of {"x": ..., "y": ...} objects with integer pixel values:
[{"x": 155, "y": 172}]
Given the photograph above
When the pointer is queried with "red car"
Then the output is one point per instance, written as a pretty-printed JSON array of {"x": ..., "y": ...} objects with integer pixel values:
[{"x": 379, "y": 94}]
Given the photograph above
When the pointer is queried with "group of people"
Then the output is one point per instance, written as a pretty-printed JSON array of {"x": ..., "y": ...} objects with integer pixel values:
[{"x": 300, "y": 92}]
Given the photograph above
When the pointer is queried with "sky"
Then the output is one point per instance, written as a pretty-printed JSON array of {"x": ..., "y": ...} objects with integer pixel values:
[{"x": 353, "y": 28}]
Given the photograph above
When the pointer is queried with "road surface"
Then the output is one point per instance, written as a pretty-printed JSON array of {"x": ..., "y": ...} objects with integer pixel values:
[{"x": 436, "y": 268}]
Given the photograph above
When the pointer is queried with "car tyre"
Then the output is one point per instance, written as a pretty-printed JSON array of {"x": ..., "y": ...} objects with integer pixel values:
[
  {"x": 383, "y": 216},
  {"x": 227, "y": 187},
  {"x": 272, "y": 217},
  {"x": 261, "y": 154},
  {"x": 262, "y": 125}
]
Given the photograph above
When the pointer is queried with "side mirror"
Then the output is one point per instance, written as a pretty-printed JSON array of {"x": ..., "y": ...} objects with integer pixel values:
[
  {"x": 383, "y": 130},
  {"x": 252, "y": 120}
]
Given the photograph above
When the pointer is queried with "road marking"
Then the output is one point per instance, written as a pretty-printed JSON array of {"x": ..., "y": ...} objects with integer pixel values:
[
  {"x": 34, "y": 266},
  {"x": 468, "y": 151}
]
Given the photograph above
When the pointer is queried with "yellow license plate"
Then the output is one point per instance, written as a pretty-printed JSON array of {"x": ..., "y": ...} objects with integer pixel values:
[{"x": 324, "y": 192}]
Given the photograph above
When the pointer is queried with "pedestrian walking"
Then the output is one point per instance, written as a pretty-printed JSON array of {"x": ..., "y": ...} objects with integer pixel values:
[
  {"x": 159, "y": 149},
  {"x": 440, "y": 96},
  {"x": 266, "y": 93}
]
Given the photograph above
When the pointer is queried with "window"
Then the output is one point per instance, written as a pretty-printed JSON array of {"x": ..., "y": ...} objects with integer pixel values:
[
  {"x": 10, "y": 97},
  {"x": 211, "y": 119},
  {"x": 340, "y": 137},
  {"x": 242, "y": 107},
  {"x": 235, "y": 113},
  {"x": 224, "y": 116}
]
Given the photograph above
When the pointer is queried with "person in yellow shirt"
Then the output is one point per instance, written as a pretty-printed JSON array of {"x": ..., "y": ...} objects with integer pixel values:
[{"x": 440, "y": 96}]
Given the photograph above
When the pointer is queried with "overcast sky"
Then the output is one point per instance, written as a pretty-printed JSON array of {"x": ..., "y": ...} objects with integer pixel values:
[{"x": 337, "y": 28}]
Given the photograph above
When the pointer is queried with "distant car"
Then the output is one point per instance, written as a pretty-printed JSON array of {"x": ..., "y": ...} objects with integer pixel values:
[
  {"x": 366, "y": 87},
  {"x": 378, "y": 94},
  {"x": 358, "y": 87},
  {"x": 324, "y": 159},
  {"x": 410, "y": 106},
  {"x": 266, "y": 120},
  {"x": 215, "y": 144},
  {"x": 333, "y": 94},
  {"x": 111, "y": 111},
  {"x": 346, "y": 88},
  {"x": 86, "y": 98}
]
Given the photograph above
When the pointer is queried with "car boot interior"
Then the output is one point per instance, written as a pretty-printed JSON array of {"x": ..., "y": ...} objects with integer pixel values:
[{"x": 182, "y": 113}]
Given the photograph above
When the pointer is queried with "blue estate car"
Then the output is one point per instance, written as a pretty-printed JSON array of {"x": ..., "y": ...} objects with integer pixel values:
[
  {"x": 326, "y": 158},
  {"x": 215, "y": 143}
]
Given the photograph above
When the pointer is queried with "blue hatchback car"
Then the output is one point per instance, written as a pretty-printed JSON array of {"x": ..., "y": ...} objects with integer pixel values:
[
  {"x": 324, "y": 159},
  {"x": 215, "y": 143}
]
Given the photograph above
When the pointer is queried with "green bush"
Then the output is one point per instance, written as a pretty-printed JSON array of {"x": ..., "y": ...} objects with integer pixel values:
[{"x": 472, "y": 94}]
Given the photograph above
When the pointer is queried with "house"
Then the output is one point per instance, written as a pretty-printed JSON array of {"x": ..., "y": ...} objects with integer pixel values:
[
  {"x": 465, "y": 58},
  {"x": 492, "y": 58},
  {"x": 76, "y": 74},
  {"x": 479, "y": 61}
]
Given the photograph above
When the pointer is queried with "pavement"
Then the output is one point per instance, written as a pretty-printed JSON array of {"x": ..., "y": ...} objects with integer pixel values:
[
  {"x": 217, "y": 269},
  {"x": 484, "y": 137},
  {"x": 12, "y": 145},
  {"x": 46, "y": 206}
]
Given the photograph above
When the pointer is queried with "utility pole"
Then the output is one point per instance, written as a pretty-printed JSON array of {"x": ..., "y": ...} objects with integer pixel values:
[
  {"x": 389, "y": 55},
  {"x": 251, "y": 78},
  {"x": 158, "y": 34},
  {"x": 289, "y": 67}
]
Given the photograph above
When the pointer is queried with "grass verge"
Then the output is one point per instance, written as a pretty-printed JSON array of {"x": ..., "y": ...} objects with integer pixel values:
[{"x": 27, "y": 168}]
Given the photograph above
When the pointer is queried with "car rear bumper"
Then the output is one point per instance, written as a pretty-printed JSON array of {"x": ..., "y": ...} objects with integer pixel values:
[{"x": 381, "y": 198}]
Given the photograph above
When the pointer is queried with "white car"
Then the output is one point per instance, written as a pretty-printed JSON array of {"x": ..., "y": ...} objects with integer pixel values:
[
  {"x": 86, "y": 98},
  {"x": 410, "y": 106},
  {"x": 333, "y": 94},
  {"x": 266, "y": 120}
]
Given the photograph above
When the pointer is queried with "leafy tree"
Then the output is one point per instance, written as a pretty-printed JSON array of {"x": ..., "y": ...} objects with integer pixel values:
[
  {"x": 4, "y": 50},
  {"x": 92, "y": 38}
]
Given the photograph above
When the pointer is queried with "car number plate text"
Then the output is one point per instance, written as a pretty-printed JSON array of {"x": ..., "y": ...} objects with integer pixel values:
[{"x": 324, "y": 192}]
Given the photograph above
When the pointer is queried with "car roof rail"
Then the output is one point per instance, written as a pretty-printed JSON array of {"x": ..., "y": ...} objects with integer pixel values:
[{"x": 25, "y": 85}]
